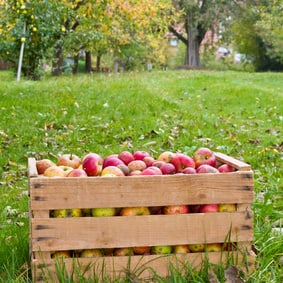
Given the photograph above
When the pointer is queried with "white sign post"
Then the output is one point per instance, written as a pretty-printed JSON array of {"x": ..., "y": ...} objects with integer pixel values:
[{"x": 21, "y": 56}]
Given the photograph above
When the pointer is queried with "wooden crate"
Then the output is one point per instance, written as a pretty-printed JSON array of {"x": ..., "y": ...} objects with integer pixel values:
[{"x": 49, "y": 234}]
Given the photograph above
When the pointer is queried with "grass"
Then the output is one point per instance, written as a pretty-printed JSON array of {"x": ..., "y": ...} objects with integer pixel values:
[{"x": 240, "y": 114}]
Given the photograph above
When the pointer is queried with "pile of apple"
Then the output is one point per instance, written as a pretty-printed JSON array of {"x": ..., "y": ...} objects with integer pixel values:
[
  {"x": 127, "y": 163},
  {"x": 138, "y": 163},
  {"x": 146, "y": 250}
]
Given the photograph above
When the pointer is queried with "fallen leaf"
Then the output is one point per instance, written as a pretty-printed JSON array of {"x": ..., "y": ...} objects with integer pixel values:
[{"x": 232, "y": 275}]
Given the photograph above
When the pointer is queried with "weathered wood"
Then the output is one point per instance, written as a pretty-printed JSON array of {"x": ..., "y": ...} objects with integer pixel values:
[
  {"x": 238, "y": 164},
  {"x": 57, "y": 193},
  {"x": 54, "y": 234},
  {"x": 149, "y": 230},
  {"x": 113, "y": 267}
]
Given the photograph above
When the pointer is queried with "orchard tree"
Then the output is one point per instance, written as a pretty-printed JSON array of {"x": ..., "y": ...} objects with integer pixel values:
[
  {"x": 269, "y": 27},
  {"x": 35, "y": 23},
  {"x": 257, "y": 33},
  {"x": 196, "y": 18},
  {"x": 132, "y": 28}
]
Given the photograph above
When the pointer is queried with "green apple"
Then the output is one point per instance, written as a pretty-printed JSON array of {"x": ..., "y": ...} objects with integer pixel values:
[
  {"x": 159, "y": 250},
  {"x": 61, "y": 254},
  {"x": 103, "y": 211},
  {"x": 60, "y": 213},
  {"x": 196, "y": 248},
  {"x": 75, "y": 212},
  {"x": 213, "y": 247},
  {"x": 91, "y": 253}
]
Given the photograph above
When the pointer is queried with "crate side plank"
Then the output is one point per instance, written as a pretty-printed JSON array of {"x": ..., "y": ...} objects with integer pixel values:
[
  {"x": 58, "y": 193},
  {"x": 123, "y": 231},
  {"x": 238, "y": 164},
  {"x": 115, "y": 267}
]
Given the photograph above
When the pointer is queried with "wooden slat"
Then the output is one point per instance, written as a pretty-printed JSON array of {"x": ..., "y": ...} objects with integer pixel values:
[
  {"x": 117, "y": 267},
  {"x": 57, "y": 193},
  {"x": 32, "y": 171},
  {"x": 238, "y": 164},
  {"x": 124, "y": 231}
]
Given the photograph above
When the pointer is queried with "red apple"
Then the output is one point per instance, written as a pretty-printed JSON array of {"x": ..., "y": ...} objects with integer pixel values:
[
  {"x": 205, "y": 168},
  {"x": 149, "y": 160},
  {"x": 195, "y": 208},
  {"x": 152, "y": 170},
  {"x": 134, "y": 211},
  {"x": 207, "y": 208},
  {"x": 135, "y": 173},
  {"x": 140, "y": 154},
  {"x": 204, "y": 155},
  {"x": 189, "y": 170},
  {"x": 112, "y": 161},
  {"x": 229, "y": 207},
  {"x": 226, "y": 168},
  {"x": 176, "y": 209},
  {"x": 166, "y": 156},
  {"x": 77, "y": 172},
  {"x": 43, "y": 164},
  {"x": 70, "y": 160},
  {"x": 196, "y": 248},
  {"x": 112, "y": 170},
  {"x": 159, "y": 250},
  {"x": 181, "y": 249},
  {"x": 141, "y": 250},
  {"x": 158, "y": 163},
  {"x": 181, "y": 161},
  {"x": 124, "y": 168},
  {"x": 156, "y": 210},
  {"x": 229, "y": 246},
  {"x": 92, "y": 164},
  {"x": 123, "y": 252},
  {"x": 213, "y": 247},
  {"x": 167, "y": 169},
  {"x": 108, "y": 251},
  {"x": 126, "y": 156},
  {"x": 136, "y": 165}
]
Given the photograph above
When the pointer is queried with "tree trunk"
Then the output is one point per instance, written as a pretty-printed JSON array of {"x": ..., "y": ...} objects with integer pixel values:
[
  {"x": 192, "y": 51},
  {"x": 88, "y": 67},
  {"x": 76, "y": 64},
  {"x": 58, "y": 60},
  {"x": 116, "y": 66},
  {"x": 98, "y": 63}
]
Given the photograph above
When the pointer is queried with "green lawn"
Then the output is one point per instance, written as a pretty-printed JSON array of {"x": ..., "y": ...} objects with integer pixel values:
[{"x": 237, "y": 113}]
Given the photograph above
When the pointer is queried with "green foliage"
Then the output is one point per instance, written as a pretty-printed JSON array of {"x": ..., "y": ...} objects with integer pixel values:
[
  {"x": 237, "y": 113},
  {"x": 270, "y": 28},
  {"x": 255, "y": 36}
]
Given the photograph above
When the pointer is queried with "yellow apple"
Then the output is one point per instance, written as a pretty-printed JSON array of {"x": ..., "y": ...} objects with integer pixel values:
[
  {"x": 91, "y": 253},
  {"x": 213, "y": 247},
  {"x": 181, "y": 249},
  {"x": 230, "y": 207},
  {"x": 60, "y": 213},
  {"x": 132, "y": 211},
  {"x": 61, "y": 254},
  {"x": 166, "y": 156},
  {"x": 54, "y": 171},
  {"x": 196, "y": 248}
]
